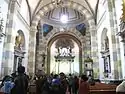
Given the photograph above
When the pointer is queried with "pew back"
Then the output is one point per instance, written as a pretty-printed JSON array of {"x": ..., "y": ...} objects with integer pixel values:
[{"x": 102, "y": 88}]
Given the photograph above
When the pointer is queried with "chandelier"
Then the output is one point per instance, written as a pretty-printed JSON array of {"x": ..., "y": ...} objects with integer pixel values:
[{"x": 1, "y": 27}]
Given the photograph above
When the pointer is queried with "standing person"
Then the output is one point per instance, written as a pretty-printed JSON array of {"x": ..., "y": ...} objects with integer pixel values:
[
  {"x": 46, "y": 86},
  {"x": 63, "y": 83},
  {"x": 55, "y": 85},
  {"x": 84, "y": 85},
  {"x": 75, "y": 85},
  {"x": 21, "y": 82},
  {"x": 70, "y": 83},
  {"x": 7, "y": 84},
  {"x": 39, "y": 84}
]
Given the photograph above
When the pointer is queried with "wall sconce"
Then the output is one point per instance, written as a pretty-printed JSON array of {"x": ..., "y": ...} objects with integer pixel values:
[{"x": 1, "y": 27}]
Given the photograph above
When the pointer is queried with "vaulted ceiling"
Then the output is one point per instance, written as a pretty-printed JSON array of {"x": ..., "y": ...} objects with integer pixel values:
[{"x": 35, "y": 5}]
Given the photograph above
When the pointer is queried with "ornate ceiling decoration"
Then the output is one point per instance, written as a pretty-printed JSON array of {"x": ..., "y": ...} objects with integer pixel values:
[
  {"x": 35, "y": 5},
  {"x": 54, "y": 16}
]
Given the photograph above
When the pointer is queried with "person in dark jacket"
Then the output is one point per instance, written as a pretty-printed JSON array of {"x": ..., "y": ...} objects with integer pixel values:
[
  {"x": 63, "y": 83},
  {"x": 21, "y": 82},
  {"x": 75, "y": 85}
]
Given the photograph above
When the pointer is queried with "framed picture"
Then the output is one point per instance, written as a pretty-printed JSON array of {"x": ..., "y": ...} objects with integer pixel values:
[{"x": 107, "y": 65}]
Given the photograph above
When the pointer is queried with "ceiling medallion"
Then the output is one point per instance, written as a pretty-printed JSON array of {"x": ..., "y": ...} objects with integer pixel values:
[{"x": 59, "y": 2}]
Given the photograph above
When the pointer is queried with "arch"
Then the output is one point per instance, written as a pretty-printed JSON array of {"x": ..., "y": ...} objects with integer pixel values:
[
  {"x": 91, "y": 27},
  {"x": 49, "y": 44},
  {"x": 70, "y": 4},
  {"x": 56, "y": 33}
]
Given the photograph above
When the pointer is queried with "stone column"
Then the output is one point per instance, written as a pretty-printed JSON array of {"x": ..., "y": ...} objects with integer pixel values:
[
  {"x": 32, "y": 52},
  {"x": 8, "y": 51},
  {"x": 94, "y": 50}
]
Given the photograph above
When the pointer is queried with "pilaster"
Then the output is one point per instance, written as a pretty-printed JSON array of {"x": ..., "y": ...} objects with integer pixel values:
[
  {"x": 9, "y": 43},
  {"x": 32, "y": 52},
  {"x": 115, "y": 51}
]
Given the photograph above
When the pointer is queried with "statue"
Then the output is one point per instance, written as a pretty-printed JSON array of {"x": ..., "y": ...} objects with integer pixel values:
[
  {"x": 18, "y": 41},
  {"x": 43, "y": 58},
  {"x": 106, "y": 43}
]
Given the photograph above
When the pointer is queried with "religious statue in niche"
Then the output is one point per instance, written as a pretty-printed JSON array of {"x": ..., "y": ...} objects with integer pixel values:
[
  {"x": 43, "y": 59},
  {"x": 19, "y": 41},
  {"x": 106, "y": 43}
]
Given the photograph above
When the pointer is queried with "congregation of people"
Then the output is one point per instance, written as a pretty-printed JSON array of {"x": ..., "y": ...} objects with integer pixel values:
[
  {"x": 20, "y": 83},
  {"x": 61, "y": 84}
]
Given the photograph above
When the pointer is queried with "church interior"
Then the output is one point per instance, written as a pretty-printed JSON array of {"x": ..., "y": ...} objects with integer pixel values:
[{"x": 70, "y": 36}]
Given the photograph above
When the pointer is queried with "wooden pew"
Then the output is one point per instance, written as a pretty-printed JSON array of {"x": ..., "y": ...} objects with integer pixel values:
[{"x": 101, "y": 88}]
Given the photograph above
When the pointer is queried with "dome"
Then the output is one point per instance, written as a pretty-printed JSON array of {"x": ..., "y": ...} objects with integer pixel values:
[{"x": 73, "y": 17}]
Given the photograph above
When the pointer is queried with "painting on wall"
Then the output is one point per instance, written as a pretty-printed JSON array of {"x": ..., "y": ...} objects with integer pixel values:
[
  {"x": 81, "y": 28},
  {"x": 46, "y": 29},
  {"x": 107, "y": 65}
]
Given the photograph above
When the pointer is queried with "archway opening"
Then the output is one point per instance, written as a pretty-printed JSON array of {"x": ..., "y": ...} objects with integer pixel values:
[{"x": 64, "y": 55}]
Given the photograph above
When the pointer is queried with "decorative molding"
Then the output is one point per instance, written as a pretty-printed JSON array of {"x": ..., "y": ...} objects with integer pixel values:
[{"x": 29, "y": 11}]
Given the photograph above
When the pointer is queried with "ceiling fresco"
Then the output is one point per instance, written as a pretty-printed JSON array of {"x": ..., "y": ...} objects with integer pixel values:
[{"x": 35, "y": 5}]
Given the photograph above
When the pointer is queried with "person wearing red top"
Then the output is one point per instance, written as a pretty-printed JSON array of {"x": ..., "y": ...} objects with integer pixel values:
[{"x": 83, "y": 85}]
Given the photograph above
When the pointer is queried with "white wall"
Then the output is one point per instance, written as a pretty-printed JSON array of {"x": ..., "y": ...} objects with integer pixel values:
[
  {"x": 24, "y": 11},
  {"x": 101, "y": 10},
  {"x": 103, "y": 22},
  {"x": 20, "y": 24},
  {"x": 3, "y": 14},
  {"x": 21, "y": 21}
]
